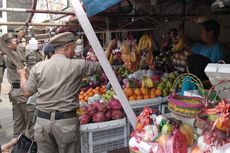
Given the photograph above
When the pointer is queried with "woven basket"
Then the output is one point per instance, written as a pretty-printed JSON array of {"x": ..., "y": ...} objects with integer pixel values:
[
  {"x": 186, "y": 106},
  {"x": 201, "y": 117}
]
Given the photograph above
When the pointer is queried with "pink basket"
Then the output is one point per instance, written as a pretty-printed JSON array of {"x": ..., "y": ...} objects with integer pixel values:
[{"x": 184, "y": 105}]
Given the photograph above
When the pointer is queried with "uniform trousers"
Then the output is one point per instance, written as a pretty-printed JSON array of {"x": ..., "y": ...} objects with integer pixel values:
[
  {"x": 19, "y": 109},
  {"x": 57, "y": 136}
]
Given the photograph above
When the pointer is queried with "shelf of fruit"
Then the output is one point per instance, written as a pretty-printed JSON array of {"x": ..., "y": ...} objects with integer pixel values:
[{"x": 155, "y": 133}]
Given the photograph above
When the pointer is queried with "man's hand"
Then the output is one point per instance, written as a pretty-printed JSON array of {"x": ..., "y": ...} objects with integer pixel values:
[
  {"x": 6, "y": 148},
  {"x": 113, "y": 44},
  {"x": 22, "y": 72}
]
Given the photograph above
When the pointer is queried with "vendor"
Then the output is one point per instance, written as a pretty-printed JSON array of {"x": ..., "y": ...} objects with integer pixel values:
[
  {"x": 210, "y": 47},
  {"x": 196, "y": 65}
]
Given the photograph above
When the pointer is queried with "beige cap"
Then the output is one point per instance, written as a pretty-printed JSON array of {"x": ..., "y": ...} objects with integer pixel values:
[
  {"x": 8, "y": 36},
  {"x": 62, "y": 39}
]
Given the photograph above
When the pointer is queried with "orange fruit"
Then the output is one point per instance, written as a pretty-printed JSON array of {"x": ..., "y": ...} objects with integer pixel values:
[
  {"x": 144, "y": 91},
  {"x": 146, "y": 96},
  {"x": 85, "y": 99},
  {"x": 153, "y": 90},
  {"x": 129, "y": 92},
  {"x": 97, "y": 92},
  {"x": 158, "y": 92},
  {"x": 133, "y": 97},
  {"x": 137, "y": 91},
  {"x": 82, "y": 92},
  {"x": 91, "y": 94},
  {"x": 139, "y": 97},
  {"x": 81, "y": 96},
  {"x": 153, "y": 95},
  {"x": 97, "y": 88}
]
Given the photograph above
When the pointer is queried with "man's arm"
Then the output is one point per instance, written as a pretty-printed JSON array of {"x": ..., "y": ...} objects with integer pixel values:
[
  {"x": 112, "y": 45},
  {"x": 23, "y": 81}
]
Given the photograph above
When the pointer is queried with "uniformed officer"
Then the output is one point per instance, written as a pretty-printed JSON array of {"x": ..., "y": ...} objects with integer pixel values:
[
  {"x": 15, "y": 94},
  {"x": 48, "y": 51},
  {"x": 21, "y": 44},
  {"x": 33, "y": 57},
  {"x": 57, "y": 82},
  {"x": 2, "y": 64}
]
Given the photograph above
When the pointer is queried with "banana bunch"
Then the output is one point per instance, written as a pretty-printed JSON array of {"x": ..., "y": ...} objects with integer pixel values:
[
  {"x": 179, "y": 46},
  {"x": 147, "y": 82},
  {"x": 145, "y": 43}
]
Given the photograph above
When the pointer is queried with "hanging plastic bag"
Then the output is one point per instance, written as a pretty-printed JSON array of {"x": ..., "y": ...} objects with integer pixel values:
[{"x": 93, "y": 7}]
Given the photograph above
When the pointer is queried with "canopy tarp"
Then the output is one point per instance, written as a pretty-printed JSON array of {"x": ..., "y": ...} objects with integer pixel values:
[{"x": 93, "y": 7}]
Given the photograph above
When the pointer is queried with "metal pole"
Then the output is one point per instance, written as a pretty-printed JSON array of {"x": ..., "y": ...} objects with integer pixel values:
[
  {"x": 90, "y": 34},
  {"x": 23, "y": 10},
  {"x": 34, "y": 24}
]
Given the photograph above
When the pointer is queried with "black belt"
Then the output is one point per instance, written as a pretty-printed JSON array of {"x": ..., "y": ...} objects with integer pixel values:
[
  {"x": 16, "y": 85},
  {"x": 58, "y": 115}
]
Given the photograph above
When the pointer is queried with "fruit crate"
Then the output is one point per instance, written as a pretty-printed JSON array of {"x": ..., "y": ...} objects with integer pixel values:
[{"x": 105, "y": 136}]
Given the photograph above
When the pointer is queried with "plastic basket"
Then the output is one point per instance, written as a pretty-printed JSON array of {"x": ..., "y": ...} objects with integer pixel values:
[{"x": 104, "y": 137}]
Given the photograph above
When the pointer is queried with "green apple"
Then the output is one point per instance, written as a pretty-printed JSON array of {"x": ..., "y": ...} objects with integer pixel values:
[
  {"x": 167, "y": 129},
  {"x": 212, "y": 117}
]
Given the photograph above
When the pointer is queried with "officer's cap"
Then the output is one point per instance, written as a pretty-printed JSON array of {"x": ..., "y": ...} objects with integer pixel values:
[
  {"x": 48, "y": 48},
  {"x": 61, "y": 39},
  {"x": 8, "y": 36}
]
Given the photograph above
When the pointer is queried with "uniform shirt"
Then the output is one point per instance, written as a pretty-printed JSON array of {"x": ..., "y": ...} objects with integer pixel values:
[
  {"x": 1, "y": 60},
  {"x": 12, "y": 74},
  {"x": 214, "y": 53},
  {"x": 32, "y": 58},
  {"x": 57, "y": 82},
  {"x": 21, "y": 51}
]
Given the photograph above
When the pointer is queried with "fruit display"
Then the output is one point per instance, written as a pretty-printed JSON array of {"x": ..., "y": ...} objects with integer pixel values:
[
  {"x": 138, "y": 56},
  {"x": 164, "y": 61},
  {"x": 94, "y": 81},
  {"x": 100, "y": 112},
  {"x": 129, "y": 55},
  {"x": 91, "y": 56},
  {"x": 179, "y": 44},
  {"x": 92, "y": 94},
  {"x": 155, "y": 133},
  {"x": 180, "y": 57},
  {"x": 145, "y": 44},
  {"x": 166, "y": 84},
  {"x": 115, "y": 58}
]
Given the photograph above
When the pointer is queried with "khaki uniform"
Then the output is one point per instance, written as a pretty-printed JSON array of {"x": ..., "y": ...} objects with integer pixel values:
[
  {"x": 32, "y": 58},
  {"x": 57, "y": 82},
  {"x": 17, "y": 98},
  {"x": 1, "y": 70}
]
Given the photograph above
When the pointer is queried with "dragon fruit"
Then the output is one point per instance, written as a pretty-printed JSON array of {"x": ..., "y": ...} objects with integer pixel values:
[
  {"x": 117, "y": 114},
  {"x": 114, "y": 104},
  {"x": 99, "y": 117}
]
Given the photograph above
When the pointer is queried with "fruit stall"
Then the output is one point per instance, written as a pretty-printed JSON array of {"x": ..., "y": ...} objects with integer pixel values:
[{"x": 137, "y": 101}]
